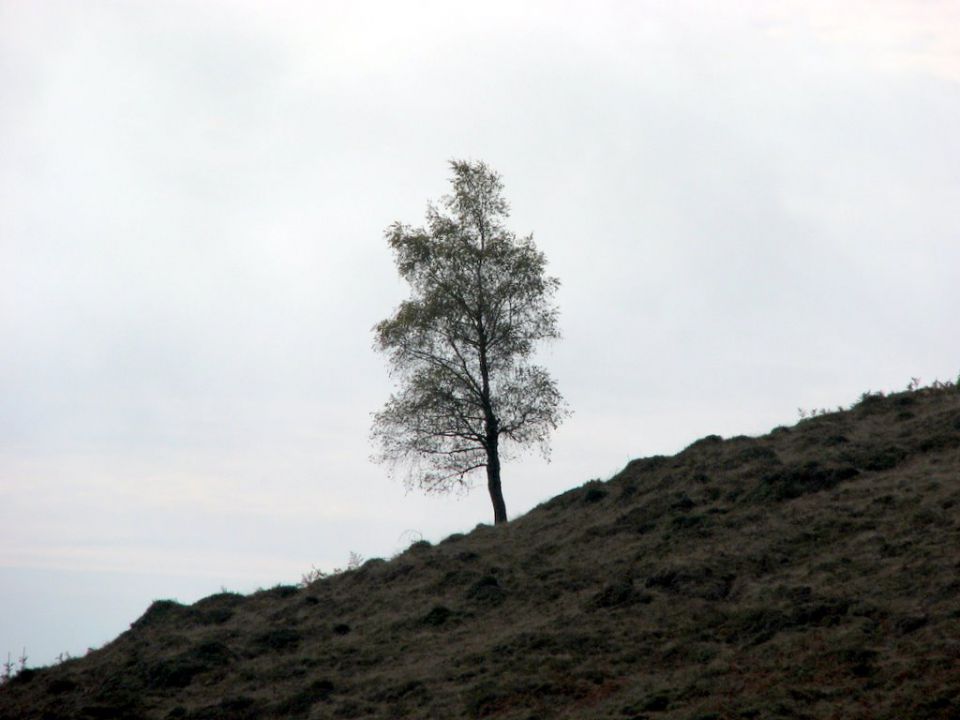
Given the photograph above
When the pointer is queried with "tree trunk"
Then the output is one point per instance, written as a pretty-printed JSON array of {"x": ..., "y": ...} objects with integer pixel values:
[
  {"x": 490, "y": 422},
  {"x": 493, "y": 483}
]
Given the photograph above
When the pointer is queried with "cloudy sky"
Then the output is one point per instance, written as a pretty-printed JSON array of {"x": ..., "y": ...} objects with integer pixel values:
[{"x": 751, "y": 210}]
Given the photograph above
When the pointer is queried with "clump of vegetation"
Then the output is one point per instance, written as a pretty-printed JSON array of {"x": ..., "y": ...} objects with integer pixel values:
[
  {"x": 315, "y": 574},
  {"x": 11, "y": 669},
  {"x": 870, "y": 399},
  {"x": 796, "y": 480}
]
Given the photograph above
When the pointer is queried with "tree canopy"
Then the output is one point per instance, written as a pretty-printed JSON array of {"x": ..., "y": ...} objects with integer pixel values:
[{"x": 461, "y": 345}]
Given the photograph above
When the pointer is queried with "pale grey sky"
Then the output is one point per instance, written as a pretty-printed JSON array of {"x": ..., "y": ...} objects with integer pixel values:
[{"x": 751, "y": 210}]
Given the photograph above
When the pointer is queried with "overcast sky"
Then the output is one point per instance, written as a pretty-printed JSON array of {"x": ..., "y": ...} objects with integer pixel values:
[{"x": 751, "y": 210}]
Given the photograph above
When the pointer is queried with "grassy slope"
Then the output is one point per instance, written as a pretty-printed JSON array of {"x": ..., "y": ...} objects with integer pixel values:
[{"x": 810, "y": 573}]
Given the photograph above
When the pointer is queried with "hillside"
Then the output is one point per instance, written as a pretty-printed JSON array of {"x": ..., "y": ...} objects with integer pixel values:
[{"x": 810, "y": 573}]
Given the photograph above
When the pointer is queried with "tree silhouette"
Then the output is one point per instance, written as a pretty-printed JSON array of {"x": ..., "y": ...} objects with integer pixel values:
[{"x": 460, "y": 346}]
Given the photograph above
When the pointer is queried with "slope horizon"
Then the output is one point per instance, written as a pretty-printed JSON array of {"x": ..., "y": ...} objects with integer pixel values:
[
  {"x": 807, "y": 573},
  {"x": 196, "y": 586}
]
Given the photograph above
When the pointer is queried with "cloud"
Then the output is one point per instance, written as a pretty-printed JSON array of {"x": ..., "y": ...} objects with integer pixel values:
[
  {"x": 112, "y": 558},
  {"x": 897, "y": 36}
]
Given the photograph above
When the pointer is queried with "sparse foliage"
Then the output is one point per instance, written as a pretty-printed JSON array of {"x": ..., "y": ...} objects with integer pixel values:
[
  {"x": 354, "y": 561},
  {"x": 870, "y": 397},
  {"x": 815, "y": 412},
  {"x": 461, "y": 345},
  {"x": 312, "y": 575},
  {"x": 11, "y": 669}
]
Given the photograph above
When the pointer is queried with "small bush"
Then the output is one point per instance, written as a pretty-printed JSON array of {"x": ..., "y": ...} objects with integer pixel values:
[
  {"x": 871, "y": 403},
  {"x": 61, "y": 685},
  {"x": 704, "y": 442},
  {"x": 641, "y": 466},
  {"x": 161, "y": 612},
  {"x": 594, "y": 494},
  {"x": 797, "y": 480},
  {"x": 487, "y": 591},
  {"x": 216, "y": 609},
  {"x": 24, "y": 676},
  {"x": 314, "y": 574},
  {"x": 437, "y": 616},
  {"x": 884, "y": 458},
  {"x": 283, "y": 591}
]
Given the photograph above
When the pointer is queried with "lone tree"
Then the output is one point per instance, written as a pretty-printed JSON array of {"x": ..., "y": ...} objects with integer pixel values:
[{"x": 461, "y": 345}]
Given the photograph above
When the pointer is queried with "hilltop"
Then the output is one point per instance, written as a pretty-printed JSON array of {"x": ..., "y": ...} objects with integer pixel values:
[{"x": 813, "y": 572}]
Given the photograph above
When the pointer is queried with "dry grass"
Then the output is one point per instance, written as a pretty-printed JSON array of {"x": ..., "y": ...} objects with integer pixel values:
[{"x": 810, "y": 573}]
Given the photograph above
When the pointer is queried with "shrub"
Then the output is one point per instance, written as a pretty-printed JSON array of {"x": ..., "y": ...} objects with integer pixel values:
[
  {"x": 160, "y": 612},
  {"x": 796, "y": 480},
  {"x": 437, "y": 616},
  {"x": 595, "y": 492},
  {"x": 487, "y": 591}
]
